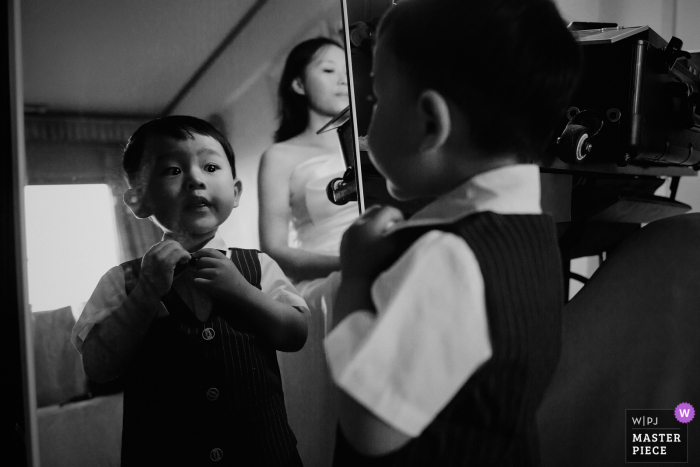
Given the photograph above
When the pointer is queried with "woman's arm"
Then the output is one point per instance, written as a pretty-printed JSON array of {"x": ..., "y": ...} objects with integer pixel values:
[{"x": 274, "y": 214}]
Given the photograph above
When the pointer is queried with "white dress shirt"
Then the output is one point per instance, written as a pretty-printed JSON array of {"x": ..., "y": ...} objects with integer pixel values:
[{"x": 430, "y": 331}]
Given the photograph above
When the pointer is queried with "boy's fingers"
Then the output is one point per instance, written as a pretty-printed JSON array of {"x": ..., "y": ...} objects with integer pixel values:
[
  {"x": 157, "y": 248},
  {"x": 205, "y": 274},
  {"x": 167, "y": 244},
  {"x": 208, "y": 253},
  {"x": 386, "y": 217},
  {"x": 164, "y": 248},
  {"x": 205, "y": 262},
  {"x": 173, "y": 256},
  {"x": 199, "y": 281}
]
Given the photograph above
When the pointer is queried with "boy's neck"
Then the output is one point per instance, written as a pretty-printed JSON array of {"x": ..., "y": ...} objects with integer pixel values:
[
  {"x": 465, "y": 168},
  {"x": 191, "y": 243}
]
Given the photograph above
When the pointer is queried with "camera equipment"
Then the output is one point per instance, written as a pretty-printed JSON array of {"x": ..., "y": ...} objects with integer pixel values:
[
  {"x": 639, "y": 100},
  {"x": 633, "y": 123}
]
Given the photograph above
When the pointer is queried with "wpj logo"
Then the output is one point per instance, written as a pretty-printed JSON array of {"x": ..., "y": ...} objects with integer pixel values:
[{"x": 658, "y": 435}]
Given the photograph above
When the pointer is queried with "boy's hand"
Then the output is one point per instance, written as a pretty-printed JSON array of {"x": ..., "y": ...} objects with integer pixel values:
[
  {"x": 216, "y": 274},
  {"x": 159, "y": 263},
  {"x": 365, "y": 250}
]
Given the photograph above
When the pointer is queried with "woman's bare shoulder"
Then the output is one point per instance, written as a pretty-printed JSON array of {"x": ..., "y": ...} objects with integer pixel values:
[
  {"x": 281, "y": 150},
  {"x": 290, "y": 152},
  {"x": 285, "y": 150},
  {"x": 280, "y": 159}
]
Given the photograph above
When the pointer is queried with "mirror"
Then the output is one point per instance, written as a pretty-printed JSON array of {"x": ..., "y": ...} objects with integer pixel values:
[{"x": 93, "y": 72}]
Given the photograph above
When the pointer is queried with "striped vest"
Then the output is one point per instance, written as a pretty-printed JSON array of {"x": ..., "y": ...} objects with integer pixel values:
[
  {"x": 491, "y": 419},
  {"x": 202, "y": 392}
]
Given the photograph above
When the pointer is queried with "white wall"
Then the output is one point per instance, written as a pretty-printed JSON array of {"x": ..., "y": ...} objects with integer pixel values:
[
  {"x": 657, "y": 14},
  {"x": 666, "y": 17},
  {"x": 579, "y": 10},
  {"x": 687, "y": 19}
]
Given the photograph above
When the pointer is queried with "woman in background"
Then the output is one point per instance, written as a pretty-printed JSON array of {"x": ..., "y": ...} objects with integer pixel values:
[{"x": 301, "y": 229}]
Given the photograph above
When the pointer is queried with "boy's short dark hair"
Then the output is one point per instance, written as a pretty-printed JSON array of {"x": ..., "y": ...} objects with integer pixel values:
[
  {"x": 178, "y": 127},
  {"x": 510, "y": 65}
]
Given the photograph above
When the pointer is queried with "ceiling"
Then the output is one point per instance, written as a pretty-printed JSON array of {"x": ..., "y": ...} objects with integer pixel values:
[{"x": 126, "y": 57}]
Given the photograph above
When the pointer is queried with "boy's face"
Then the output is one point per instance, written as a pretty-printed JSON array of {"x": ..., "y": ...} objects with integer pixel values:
[
  {"x": 394, "y": 133},
  {"x": 189, "y": 186}
]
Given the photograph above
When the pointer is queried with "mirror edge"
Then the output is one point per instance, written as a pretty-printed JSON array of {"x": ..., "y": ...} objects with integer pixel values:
[
  {"x": 19, "y": 338},
  {"x": 351, "y": 88}
]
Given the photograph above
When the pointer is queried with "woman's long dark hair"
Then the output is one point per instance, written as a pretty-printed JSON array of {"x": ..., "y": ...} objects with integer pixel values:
[{"x": 293, "y": 107}]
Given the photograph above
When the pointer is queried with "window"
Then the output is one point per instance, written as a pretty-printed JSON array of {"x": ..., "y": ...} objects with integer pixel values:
[{"x": 71, "y": 242}]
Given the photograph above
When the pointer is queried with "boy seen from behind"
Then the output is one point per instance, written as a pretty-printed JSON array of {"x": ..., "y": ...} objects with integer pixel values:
[
  {"x": 193, "y": 326},
  {"x": 448, "y": 324}
]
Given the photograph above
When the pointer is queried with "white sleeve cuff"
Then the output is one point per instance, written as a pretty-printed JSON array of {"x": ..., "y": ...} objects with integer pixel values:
[
  {"x": 345, "y": 340},
  {"x": 108, "y": 296},
  {"x": 276, "y": 285}
]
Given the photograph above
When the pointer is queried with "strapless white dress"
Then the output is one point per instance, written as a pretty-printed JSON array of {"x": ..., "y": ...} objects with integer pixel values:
[{"x": 317, "y": 225}]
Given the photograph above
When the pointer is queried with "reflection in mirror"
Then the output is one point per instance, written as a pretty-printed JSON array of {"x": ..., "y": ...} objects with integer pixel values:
[{"x": 93, "y": 72}]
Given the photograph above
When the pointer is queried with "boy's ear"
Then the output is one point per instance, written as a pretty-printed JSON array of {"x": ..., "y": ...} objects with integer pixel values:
[
  {"x": 435, "y": 118},
  {"x": 237, "y": 189},
  {"x": 134, "y": 199},
  {"x": 298, "y": 86}
]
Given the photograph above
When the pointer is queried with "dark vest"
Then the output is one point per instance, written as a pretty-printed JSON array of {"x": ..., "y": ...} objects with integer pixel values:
[
  {"x": 202, "y": 392},
  {"x": 491, "y": 420}
]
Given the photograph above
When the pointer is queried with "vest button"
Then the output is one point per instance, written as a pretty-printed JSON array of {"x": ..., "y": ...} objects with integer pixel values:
[
  {"x": 212, "y": 394},
  {"x": 208, "y": 334},
  {"x": 216, "y": 455}
]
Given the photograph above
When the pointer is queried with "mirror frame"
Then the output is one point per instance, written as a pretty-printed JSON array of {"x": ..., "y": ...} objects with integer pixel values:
[
  {"x": 18, "y": 364},
  {"x": 351, "y": 88}
]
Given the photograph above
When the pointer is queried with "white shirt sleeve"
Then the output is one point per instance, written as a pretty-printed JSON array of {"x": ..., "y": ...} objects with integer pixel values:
[
  {"x": 276, "y": 285},
  {"x": 430, "y": 334},
  {"x": 108, "y": 296}
]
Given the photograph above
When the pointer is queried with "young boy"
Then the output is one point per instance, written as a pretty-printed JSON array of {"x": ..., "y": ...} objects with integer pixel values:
[
  {"x": 192, "y": 331},
  {"x": 443, "y": 355}
]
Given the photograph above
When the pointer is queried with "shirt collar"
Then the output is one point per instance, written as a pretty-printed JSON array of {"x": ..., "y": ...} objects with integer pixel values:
[
  {"x": 513, "y": 189},
  {"x": 216, "y": 243}
]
